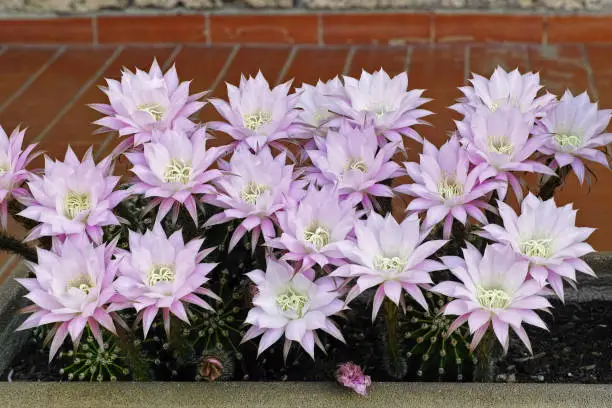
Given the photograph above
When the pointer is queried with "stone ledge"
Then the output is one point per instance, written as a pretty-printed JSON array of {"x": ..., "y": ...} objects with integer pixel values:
[{"x": 313, "y": 394}]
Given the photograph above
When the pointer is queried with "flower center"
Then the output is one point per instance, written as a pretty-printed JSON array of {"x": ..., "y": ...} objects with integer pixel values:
[
  {"x": 500, "y": 144},
  {"x": 357, "y": 164},
  {"x": 317, "y": 235},
  {"x": 160, "y": 273},
  {"x": 76, "y": 203},
  {"x": 252, "y": 191},
  {"x": 449, "y": 188},
  {"x": 82, "y": 282},
  {"x": 154, "y": 109},
  {"x": 178, "y": 172},
  {"x": 4, "y": 168},
  {"x": 321, "y": 115},
  {"x": 393, "y": 264},
  {"x": 537, "y": 247},
  {"x": 568, "y": 141},
  {"x": 380, "y": 109},
  {"x": 255, "y": 120},
  {"x": 492, "y": 298},
  {"x": 291, "y": 300}
]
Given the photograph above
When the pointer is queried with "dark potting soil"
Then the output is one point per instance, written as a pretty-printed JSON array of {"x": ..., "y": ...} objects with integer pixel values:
[{"x": 578, "y": 349}]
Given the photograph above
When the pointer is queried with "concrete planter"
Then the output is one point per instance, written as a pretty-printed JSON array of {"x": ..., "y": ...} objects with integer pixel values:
[
  {"x": 295, "y": 395},
  {"x": 11, "y": 300}
]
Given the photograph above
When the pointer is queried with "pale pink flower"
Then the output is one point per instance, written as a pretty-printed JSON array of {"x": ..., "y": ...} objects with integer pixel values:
[
  {"x": 73, "y": 197},
  {"x": 257, "y": 115},
  {"x": 71, "y": 288},
  {"x": 315, "y": 101},
  {"x": 493, "y": 292},
  {"x": 547, "y": 237},
  {"x": 173, "y": 168},
  {"x": 162, "y": 273},
  {"x": 13, "y": 161},
  {"x": 142, "y": 102},
  {"x": 254, "y": 188},
  {"x": 391, "y": 256},
  {"x": 383, "y": 101},
  {"x": 312, "y": 229},
  {"x": 291, "y": 303},
  {"x": 446, "y": 187},
  {"x": 576, "y": 128},
  {"x": 500, "y": 142},
  {"x": 502, "y": 90},
  {"x": 351, "y": 160}
]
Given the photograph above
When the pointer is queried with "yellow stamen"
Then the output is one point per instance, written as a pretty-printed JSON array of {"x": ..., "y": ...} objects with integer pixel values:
[
  {"x": 154, "y": 109},
  {"x": 291, "y": 300},
  {"x": 255, "y": 120},
  {"x": 492, "y": 298},
  {"x": 500, "y": 144},
  {"x": 571, "y": 141},
  {"x": 449, "y": 188},
  {"x": 160, "y": 273},
  {"x": 537, "y": 247},
  {"x": 178, "y": 172},
  {"x": 317, "y": 235},
  {"x": 76, "y": 203},
  {"x": 252, "y": 191}
]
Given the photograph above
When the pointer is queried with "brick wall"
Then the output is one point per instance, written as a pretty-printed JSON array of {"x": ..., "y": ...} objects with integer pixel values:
[{"x": 83, "y": 6}]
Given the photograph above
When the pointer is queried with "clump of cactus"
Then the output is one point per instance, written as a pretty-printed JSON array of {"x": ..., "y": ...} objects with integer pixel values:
[
  {"x": 432, "y": 351},
  {"x": 92, "y": 362}
]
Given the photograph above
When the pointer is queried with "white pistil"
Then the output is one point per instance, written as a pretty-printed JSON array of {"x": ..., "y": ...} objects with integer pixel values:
[
  {"x": 160, "y": 273},
  {"x": 449, "y": 188},
  {"x": 568, "y": 141},
  {"x": 492, "y": 298},
  {"x": 252, "y": 191},
  {"x": 500, "y": 144},
  {"x": 178, "y": 172},
  {"x": 317, "y": 235},
  {"x": 154, "y": 109},
  {"x": 393, "y": 264},
  {"x": 291, "y": 300},
  {"x": 76, "y": 203},
  {"x": 541, "y": 248},
  {"x": 83, "y": 283},
  {"x": 255, "y": 120},
  {"x": 380, "y": 109},
  {"x": 357, "y": 164}
]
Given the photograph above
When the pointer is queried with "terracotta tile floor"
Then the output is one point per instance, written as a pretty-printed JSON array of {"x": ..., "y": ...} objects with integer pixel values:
[{"x": 46, "y": 89}]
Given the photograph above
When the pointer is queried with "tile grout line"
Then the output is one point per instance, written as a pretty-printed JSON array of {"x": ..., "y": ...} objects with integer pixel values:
[
  {"x": 112, "y": 135},
  {"x": 94, "y": 30},
  {"x": 172, "y": 57},
  {"x": 528, "y": 58},
  {"x": 544, "y": 30},
  {"x": 226, "y": 66},
  {"x": 79, "y": 93},
  {"x": 287, "y": 64},
  {"x": 466, "y": 63},
  {"x": 207, "y": 35},
  {"x": 32, "y": 78},
  {"x": 408, "y": 59},
  {"x": 432, "y": 28},
  {"x": 349, "y": 59},
  {"x": 320, "y": 30},
  {"x": 589, "y": 71}
]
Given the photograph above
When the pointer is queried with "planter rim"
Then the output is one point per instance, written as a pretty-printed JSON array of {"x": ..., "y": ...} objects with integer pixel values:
[{"x": 301, "y": 394}]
